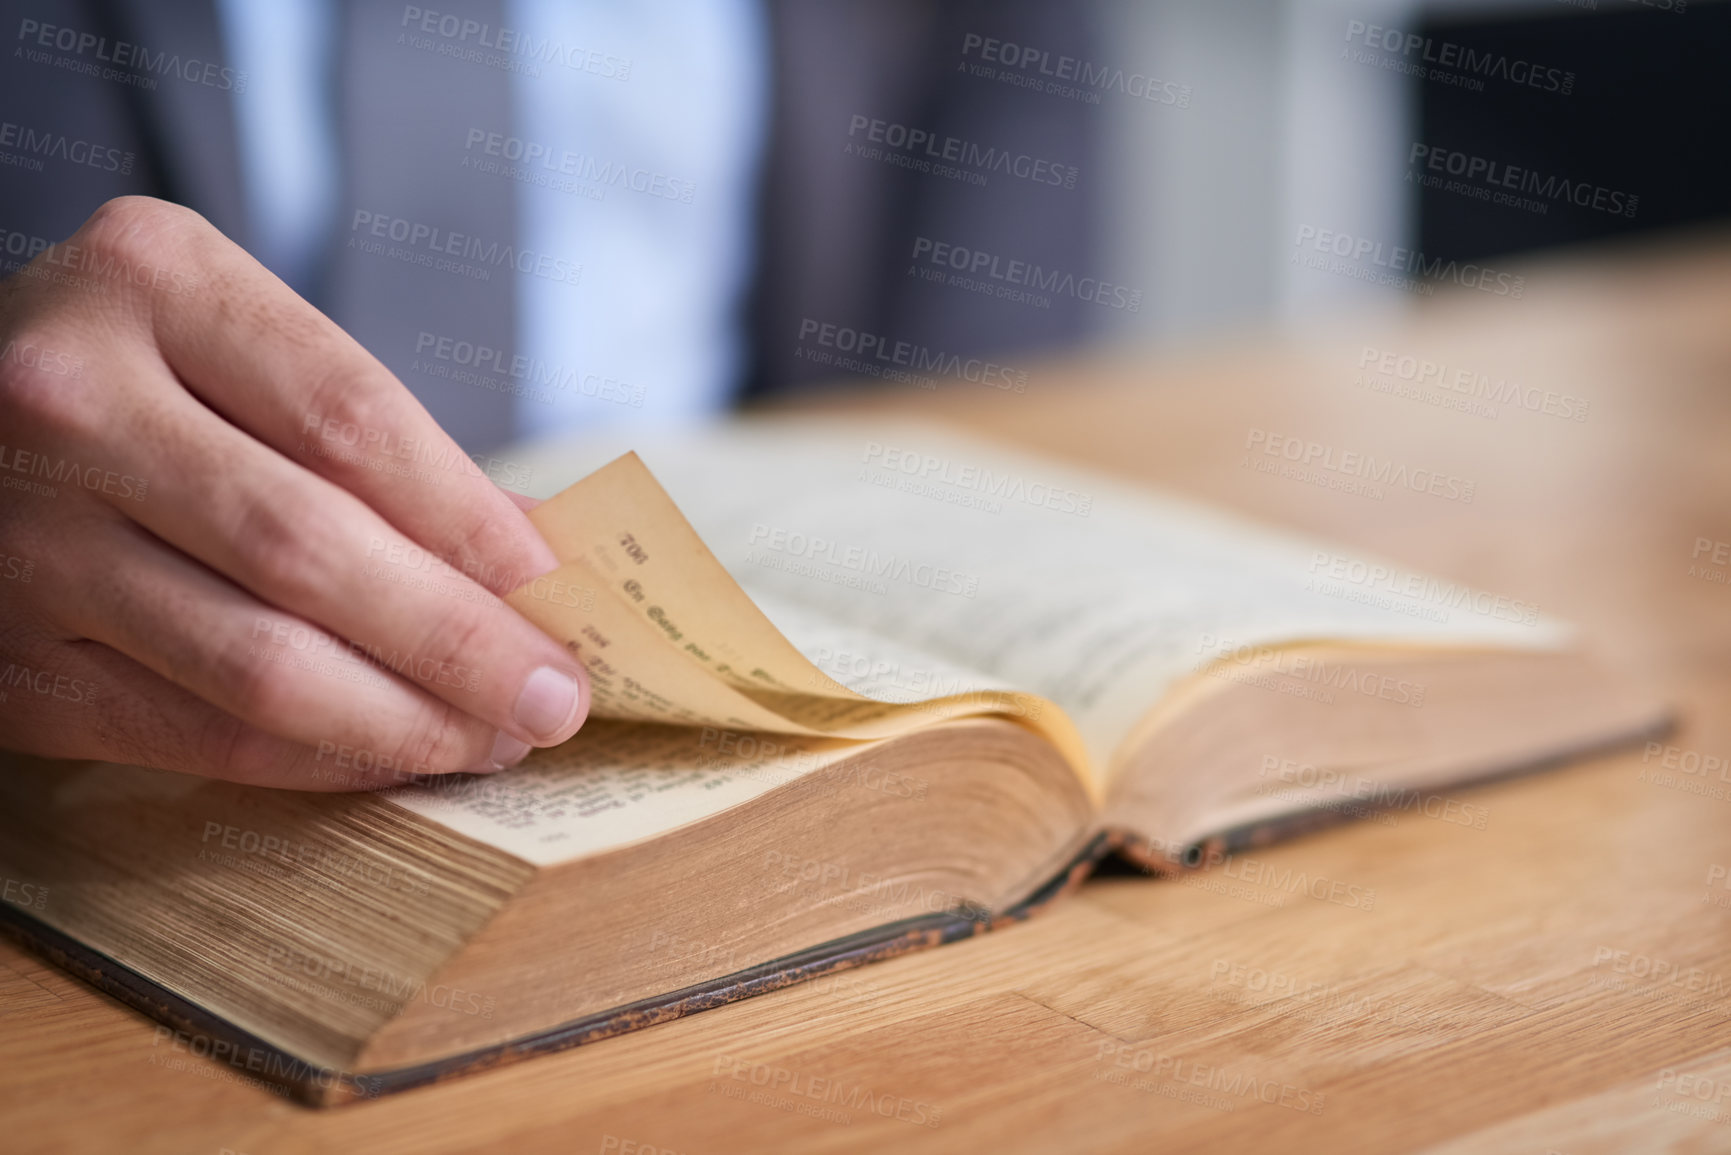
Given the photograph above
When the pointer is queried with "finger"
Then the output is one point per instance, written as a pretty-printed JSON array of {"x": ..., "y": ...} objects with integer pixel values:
[
  {"x": 299, "y": 542},
  {"x": 271, "y": 670},
  {"x": 82, "y": 700},
  {"x": 271, "y": 364}
]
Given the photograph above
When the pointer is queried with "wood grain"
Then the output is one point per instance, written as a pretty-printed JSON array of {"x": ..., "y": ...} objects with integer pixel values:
[{"x": 1558, "y": 980}]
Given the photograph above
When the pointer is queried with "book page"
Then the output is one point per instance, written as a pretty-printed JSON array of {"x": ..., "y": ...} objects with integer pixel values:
[
  {"x": 668, "y": 635},
  {"x": 1096, "y": 596},
  {"x": 615, "y": 784}
]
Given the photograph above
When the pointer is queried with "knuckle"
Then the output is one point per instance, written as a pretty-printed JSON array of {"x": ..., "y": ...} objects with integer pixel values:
[
  {"x": 441, "y": 739},
  {"x": 222, "y": 743},
  {"x": 139, "y": 228},
  {"x": 344, "y": 410},
  {"x": 257, "y": 689},
  {"x": 39, "y": 382},
  {"x": 488, "y": 550},
  {"x": 283, "y": 544},
  {"x": 456, "y": 634}
]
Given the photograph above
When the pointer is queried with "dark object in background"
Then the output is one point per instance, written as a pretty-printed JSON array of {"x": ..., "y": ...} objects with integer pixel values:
[
  {"x": 1648, "y": 116},
  {"x": 840, "y": 229}
]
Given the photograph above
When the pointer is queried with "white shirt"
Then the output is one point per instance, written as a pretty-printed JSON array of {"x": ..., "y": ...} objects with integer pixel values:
[{"x": 652, "y": 328}]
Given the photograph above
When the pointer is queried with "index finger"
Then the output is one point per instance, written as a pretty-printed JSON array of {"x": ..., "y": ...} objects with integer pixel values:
[{"x": 252, "y": 350}]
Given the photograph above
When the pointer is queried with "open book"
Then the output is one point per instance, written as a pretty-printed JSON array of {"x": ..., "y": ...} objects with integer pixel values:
[{"x": 911, "y": 687}]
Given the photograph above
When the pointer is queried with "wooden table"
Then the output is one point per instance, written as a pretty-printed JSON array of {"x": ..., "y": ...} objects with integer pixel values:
[{"x": 1559, "y": 980}]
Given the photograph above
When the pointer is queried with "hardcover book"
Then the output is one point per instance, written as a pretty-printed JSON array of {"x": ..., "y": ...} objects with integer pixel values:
[{"x": 880, "y": 692}]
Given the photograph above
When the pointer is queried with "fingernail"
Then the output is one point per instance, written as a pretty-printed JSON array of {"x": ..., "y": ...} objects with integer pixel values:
[
  {"x": 547, "y": 703},
  {"x": 507, "y": 752}
]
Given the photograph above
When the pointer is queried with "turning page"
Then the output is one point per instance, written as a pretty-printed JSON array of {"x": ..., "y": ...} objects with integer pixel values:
[
  {"x": 1091, "y": 594},
  {"x": 668, "y": 635}
]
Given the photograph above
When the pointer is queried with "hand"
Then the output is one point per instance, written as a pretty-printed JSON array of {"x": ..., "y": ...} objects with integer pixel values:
[{"x": 231, "y": 542}]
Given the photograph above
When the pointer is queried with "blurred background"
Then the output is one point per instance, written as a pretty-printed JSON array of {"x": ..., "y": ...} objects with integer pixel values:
[
  {"x": 1297, "y": 122},
  {"x": 548, "y": 217}
]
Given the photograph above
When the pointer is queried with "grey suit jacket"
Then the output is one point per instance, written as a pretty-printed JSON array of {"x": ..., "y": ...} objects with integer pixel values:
[{"x": 142, "y": 84}]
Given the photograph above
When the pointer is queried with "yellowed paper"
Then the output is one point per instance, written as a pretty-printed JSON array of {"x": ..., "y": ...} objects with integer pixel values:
[
  {"x": 615, "y": 784},
  {"x": 1085, "y": 592},
  {"x": 668, "y": 636}
]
